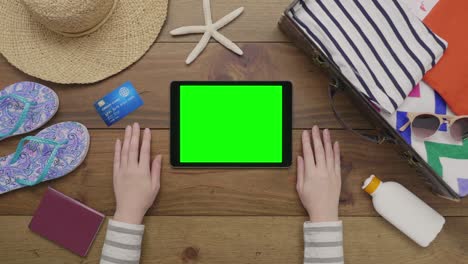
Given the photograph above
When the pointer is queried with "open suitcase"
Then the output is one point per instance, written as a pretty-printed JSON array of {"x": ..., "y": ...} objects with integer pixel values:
[{"x": 385, "y": 133}]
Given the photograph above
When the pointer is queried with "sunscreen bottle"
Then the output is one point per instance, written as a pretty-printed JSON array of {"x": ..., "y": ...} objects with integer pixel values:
[{"x": 404, "y": 210}]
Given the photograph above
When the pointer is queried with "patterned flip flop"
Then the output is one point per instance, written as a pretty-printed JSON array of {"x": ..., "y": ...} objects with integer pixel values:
[
  {"x": 25, "y": 107},
  {"x": 52, "y": 153}
]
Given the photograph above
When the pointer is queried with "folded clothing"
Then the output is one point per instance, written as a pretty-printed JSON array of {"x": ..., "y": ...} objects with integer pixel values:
[
  {"x": 449, "y": 77},
  {"x": 380, "y": 47},
  {"x": 448, "y": 158}
]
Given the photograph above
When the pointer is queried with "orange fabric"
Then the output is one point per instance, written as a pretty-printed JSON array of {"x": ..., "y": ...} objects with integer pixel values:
[{"x": 449, "y": 77}]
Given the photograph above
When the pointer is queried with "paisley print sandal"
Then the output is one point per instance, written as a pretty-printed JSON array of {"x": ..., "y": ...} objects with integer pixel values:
[
  {"x": 52, "y": 153},
  {"x": 24, "y": 107}
]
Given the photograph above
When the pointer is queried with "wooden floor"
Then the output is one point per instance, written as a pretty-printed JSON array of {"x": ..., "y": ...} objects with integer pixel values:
[{"x": 226, "y": 216}]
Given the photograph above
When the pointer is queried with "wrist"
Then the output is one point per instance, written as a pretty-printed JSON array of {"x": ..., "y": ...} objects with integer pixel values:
[
  {"x": 323, "y": 218},
  {"x": 128, "y": 217}
]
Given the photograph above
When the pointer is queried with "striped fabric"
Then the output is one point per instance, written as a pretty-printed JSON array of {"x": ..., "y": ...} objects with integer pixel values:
[
  {"x": 378, "y": 45},
  {"x": 122, "y": 244},
  {"x": 323, "y": 243}
]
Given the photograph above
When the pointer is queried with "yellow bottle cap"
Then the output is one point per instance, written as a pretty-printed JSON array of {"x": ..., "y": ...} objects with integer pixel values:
[{"x": 371, "y": 184}]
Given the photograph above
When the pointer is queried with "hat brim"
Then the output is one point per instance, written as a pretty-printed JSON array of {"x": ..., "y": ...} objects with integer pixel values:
[{"x": 121, "y": 41}]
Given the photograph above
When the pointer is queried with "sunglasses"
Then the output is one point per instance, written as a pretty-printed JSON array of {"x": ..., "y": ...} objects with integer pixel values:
[{"x": 425, "y": 125}]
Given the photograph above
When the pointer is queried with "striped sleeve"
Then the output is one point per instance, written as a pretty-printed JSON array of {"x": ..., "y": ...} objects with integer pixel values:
[
  {"x": 323, "y": 243},
  {"x": 122, "y": 244}
]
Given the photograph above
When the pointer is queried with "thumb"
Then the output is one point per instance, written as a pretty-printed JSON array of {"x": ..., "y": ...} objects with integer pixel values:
[{"x": 156, "y": 172}]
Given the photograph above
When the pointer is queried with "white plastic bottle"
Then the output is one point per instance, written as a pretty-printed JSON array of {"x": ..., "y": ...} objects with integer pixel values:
[{"x": 404, "y": 210}]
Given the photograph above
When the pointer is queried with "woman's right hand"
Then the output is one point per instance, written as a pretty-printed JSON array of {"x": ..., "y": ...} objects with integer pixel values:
[{"x": 319, "y": 176}]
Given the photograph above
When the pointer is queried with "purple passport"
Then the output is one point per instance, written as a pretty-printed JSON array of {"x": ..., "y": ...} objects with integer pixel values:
[{"x": 67, "y": 222}]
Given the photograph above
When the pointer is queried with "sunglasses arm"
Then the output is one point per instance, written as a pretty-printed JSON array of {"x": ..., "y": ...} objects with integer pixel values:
[{"x": 405, "y": 126}]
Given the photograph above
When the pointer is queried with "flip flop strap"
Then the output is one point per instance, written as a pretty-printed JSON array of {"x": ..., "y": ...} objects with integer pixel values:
[
  {"x": 49, "y": 163},
  {"x": 24, "y": 114}
]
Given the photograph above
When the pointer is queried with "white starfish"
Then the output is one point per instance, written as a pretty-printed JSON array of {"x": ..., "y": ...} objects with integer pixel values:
[{"x": 209, "y": 30}]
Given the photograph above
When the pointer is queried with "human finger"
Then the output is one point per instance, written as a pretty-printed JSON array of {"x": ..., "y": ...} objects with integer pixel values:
[
  {"x": 134, "y": 144},
  {"x": 300, "y": 174},
  {"x": 308, "y": 154},
  {"x": 145, "y": 151},
  {"x": 117, "y": 150},
  {"x": 329, "y": 155},
  {"x": 318, "y": 148},
  {"x": 336, "y": 150},
  {"x": 156, "y": 172},
  {"x": 126, "y": 146}
]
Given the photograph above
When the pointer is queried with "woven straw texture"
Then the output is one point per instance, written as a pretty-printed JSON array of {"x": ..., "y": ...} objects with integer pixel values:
[{"x": 123, "y": 39}]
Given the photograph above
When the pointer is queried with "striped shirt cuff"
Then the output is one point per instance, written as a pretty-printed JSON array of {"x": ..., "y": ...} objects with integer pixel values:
[
  {"x": 122, "y": 244},
  {"x": 323, "y": 242}
]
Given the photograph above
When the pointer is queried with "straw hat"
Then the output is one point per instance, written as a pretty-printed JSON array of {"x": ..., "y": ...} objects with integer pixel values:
[{"x": 78, "y": 41}]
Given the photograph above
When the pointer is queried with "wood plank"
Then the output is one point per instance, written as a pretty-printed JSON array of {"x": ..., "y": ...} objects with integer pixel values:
[
  {"x": 228, "y": 191},
  {"x": 271, "y": 240},
  {"x": 258, "y": 23},
  {"x": 165, "y": 63}
]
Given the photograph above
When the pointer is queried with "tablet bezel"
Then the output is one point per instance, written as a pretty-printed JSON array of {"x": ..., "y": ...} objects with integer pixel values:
[{"x": 175, "y": 126}]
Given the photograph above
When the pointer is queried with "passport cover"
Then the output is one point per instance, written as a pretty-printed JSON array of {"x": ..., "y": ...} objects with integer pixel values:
[{"x": 66, "y": 222}]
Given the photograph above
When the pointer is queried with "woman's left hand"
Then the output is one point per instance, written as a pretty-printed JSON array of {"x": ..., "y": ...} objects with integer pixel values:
[{"x": 136, "y": 183}]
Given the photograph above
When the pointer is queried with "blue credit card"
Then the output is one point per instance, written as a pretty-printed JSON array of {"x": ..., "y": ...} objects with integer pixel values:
[{"x": 118, "y": 103}]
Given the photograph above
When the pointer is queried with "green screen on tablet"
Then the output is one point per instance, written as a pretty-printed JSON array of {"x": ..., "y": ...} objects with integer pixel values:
[{"x": 230, "y": 123}]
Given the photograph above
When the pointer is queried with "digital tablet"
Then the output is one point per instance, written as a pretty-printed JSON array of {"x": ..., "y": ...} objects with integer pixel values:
[{"x": 231, "y": 124}]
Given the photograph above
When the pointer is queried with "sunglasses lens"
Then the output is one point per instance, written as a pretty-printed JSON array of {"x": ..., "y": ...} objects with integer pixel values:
[
  {"x": 459, "y": 129},
  {"x": 425, "y": 126}
]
